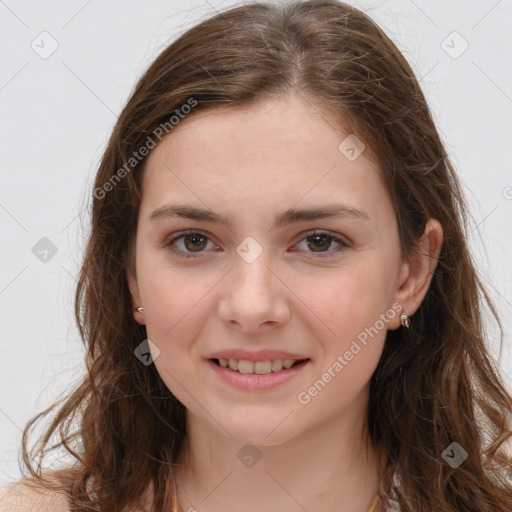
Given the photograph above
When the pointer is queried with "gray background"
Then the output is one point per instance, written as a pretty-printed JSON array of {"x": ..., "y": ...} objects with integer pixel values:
[{"x": 57, "y": 112}]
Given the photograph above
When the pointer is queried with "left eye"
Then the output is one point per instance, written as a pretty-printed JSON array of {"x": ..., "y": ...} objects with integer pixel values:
[
  {"x": 317, "y": 240},
  {"x": 195, "y": 241}
]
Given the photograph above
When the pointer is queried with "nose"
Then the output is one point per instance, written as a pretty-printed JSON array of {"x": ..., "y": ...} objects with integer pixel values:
[{"x": 254, "y": 296}]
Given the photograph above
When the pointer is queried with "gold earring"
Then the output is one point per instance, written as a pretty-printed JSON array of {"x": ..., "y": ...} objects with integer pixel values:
[{"x": 404, "y": 320}]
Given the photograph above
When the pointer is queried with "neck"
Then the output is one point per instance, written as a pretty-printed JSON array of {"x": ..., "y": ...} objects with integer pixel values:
[{"x": 331, "y": 467}]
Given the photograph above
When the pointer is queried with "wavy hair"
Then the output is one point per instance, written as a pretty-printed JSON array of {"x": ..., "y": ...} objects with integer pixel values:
[{"x": 436, "y": 383}]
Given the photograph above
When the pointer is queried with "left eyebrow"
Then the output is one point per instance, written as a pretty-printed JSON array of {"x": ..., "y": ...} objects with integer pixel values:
[{"x": 290, "y": 216}]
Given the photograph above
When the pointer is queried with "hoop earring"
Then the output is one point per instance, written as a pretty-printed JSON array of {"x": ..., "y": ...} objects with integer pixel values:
[
  {"x": 140, "y": 309},
  {"x": 404, "y": 320}
]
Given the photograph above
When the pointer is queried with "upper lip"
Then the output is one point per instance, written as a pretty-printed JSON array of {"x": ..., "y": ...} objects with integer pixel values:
[{"x": 262, "y": 355}]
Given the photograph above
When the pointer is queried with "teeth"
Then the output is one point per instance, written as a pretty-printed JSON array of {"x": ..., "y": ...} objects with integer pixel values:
[
  {"x": 259, "y": 367},
  {"x": 246, "y": 366}
]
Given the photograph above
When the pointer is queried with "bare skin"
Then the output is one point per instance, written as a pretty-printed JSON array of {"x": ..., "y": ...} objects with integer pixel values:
[{"x": 251, "y": 165}]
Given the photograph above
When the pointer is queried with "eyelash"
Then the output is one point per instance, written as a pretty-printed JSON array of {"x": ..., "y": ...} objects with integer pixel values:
[{"x": 314, "y": 232}]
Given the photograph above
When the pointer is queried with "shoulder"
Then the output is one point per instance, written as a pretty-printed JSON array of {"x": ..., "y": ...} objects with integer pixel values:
[{"x": 21, "y": 497}]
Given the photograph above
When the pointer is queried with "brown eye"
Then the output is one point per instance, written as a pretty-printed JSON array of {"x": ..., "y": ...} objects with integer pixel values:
[
  {"x": 319, "y": 242},
  {"x": 192, "y": 242}
]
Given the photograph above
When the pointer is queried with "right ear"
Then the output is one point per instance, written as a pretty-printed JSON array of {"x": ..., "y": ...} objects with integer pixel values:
[{"x": 133, "y": 285}]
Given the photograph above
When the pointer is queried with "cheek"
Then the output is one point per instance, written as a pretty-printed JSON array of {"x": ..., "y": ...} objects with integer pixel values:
[
  {"x": 175, "y": 296},
  {"x": 176, "y": 312},
  {"x": 174, "y": 317},
  {"x": 346, "y": 302},
  {"x": 356, "y": 318}
]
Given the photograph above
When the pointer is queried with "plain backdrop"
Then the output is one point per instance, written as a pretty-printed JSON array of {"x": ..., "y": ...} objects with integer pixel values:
[{"x": 67, "y": 69}]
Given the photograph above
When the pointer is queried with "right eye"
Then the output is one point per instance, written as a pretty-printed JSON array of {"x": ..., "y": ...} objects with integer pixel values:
[{"x": 191, "y": 240}]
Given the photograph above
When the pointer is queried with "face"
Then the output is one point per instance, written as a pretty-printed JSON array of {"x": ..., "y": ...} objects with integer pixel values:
[{"x": 321, "y": 289}]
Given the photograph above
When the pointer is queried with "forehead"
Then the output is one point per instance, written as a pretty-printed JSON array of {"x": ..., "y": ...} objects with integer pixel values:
[
  {"x": 275, "y": 150},
  {"x": 272, "y": 129}
]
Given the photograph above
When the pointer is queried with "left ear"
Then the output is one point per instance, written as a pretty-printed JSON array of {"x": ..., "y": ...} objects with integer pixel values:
[{"x": 418, "y": 271}]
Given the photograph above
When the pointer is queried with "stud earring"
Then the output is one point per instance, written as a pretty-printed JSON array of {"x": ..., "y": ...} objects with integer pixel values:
[
  {"x": 404, "y": 320},
  {"x": 140, "y": 310}
]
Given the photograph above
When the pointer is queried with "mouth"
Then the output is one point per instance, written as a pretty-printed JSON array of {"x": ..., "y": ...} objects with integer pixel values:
[
  {"x": 257, "y": 376},
  {"x": 258, "y": 367}
]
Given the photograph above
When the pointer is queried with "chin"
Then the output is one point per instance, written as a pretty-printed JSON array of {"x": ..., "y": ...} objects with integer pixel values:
[
  {"x": 252, "y": 428},
  {"x": 261, "y": 438}
]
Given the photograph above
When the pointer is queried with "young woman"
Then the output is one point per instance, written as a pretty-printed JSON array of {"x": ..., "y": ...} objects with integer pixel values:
[{"x": 277, "y": 297}]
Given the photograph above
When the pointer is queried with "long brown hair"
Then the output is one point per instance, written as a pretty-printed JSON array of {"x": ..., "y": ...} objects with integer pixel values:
[{"x": 436, "y": 383}]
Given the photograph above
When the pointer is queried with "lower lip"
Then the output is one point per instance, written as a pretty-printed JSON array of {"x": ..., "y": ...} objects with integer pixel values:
[{"x": 255, "y": 382}]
